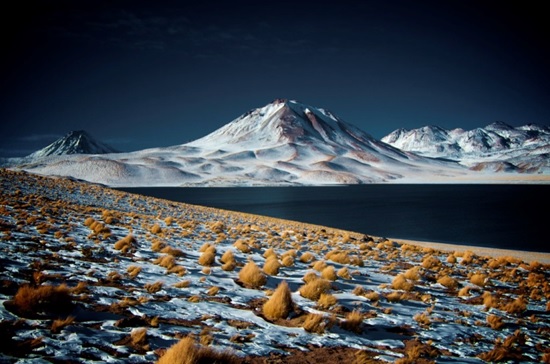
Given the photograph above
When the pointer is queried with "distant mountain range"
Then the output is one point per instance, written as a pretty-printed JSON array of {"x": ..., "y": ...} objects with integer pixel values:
[
  {"x": 290, "y": 143},
  {"x": 498, "y": 146}
]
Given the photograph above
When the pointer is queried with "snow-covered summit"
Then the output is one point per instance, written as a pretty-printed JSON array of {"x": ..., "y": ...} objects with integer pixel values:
[
  {"x": 282, "y": 122},
  {"x": 75, "y": 142},
  {"x": 497, "y": 142}
]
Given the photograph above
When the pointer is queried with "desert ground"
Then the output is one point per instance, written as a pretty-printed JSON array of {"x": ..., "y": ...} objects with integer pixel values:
[{"x": 90, "y": 274}]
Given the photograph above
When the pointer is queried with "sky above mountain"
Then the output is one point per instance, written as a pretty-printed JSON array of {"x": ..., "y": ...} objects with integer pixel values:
[{"x": 138, "y": 74}]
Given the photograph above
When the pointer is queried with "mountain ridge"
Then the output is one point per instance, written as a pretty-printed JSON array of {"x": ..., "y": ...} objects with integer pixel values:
[
  {"x": 523, "y": 148},
  {"x": 283, "y": 143}
]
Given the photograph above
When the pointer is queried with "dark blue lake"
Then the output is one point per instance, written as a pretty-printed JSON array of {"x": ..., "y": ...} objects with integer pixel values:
[{"x": 500, "y": 216}]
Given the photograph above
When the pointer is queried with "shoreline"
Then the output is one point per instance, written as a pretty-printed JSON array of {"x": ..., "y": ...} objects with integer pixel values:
[{"x": 527, "y": 256}]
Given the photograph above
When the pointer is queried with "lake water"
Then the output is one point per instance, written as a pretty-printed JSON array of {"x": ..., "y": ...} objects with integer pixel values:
[{"x": 501, "y": 216}]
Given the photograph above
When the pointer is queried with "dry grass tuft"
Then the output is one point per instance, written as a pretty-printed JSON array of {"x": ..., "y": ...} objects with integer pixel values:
[
  {"x": 329, "y": 273},
  {"x": 448, "y": 282},
  {"x": 50, "y": 299},
  {"x": 517, "y": 306},
  {"x": 307, "y": 257},
  {"x": 133, "y": 271},
  {"x": 288, "y": 261},
  {"x": 125, "y": 243},
  {"x": 172, "y": 251},
  {"x": 156, "y": 229},
  {"x": 326, "y": 300},
  {"x": 344, "y": 273},
  {"x": 165, "y": 261},
  {"x": 353, "y": 321},
  {"x": 412, "y": 274},
  {"x": 207, "y": 258},
  {"x": 314, "y": 323},
  {"x": 489, "y": 300},
  {"x": 313, "y": 289},
  {"x": 59, "y": 324},
  {"x": 279, "y": 304},
  {"x": 422, "y": 318},
  {"x": 319, "y": 265},
  {"x": 509, "y": 350},
  {"x": 478, "y": 279},
  {"x": 401, "y": 283},
  {"x": 495, "y": 322},
  {"x": 251, "y": 276},
  {"x": 187, "y": 352},
  {"x": 153, "y": 287},
  {"x": 272, "y": 265},
  {"x": 242, "y": 246}
]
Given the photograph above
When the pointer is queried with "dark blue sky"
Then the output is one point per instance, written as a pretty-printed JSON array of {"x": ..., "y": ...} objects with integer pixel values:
[{"x": 140, "y": 74}]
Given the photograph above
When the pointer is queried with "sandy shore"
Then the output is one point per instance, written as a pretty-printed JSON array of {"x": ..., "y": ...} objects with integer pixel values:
[{"x": 482, "y": 251}]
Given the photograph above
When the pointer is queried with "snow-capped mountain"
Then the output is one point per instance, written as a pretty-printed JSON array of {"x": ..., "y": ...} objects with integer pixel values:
[
  {"x": 282, "y": 143},
  {"x": 497, "y": 146},
  {"x": 75, "y": 142}
]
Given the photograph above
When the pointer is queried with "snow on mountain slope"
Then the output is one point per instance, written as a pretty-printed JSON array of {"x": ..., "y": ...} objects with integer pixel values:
[
  {"x": 282, "y": 143},
  {"x": 75, "y": 142},
  {"x": 498, "y": 146}
]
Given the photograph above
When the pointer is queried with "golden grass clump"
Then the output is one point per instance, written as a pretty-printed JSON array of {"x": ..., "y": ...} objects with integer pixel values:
[
  {"x": 495, "y": 322},
  {"x": 272, "y": 265},
  {"x": 326, "y": 300},
  {"x": 34, "y": 300},
  {"x": 313, "y": 289},
  {"x": 319, "y": 265},
  {"x": 155, "y": 229},
  {"x": 228, "y": 256},
  {"x": 448, "y": 282},
  {"x": 288, "y": 261},
  {"x": 172, "y": 251},
  {"x": 314, "y": 323},
  {"x": 478, "y": 279},
  {"x": 207, "y": 246},
  {"x": 251, "y": 276},
  {"x": 412, "y": 274},
  {"x": 401, "y": 283},
  {"x": 489, "y": 300},
  {"x": 338, "y": 256},
  {"x": 344, "y": 273},
  {"x": 183, "y": 284},
  {"x": 139, "y": 337},
  {"x": 394, "y": 296},
  {"x": 157, "y": 245},
  {"x": 310, "y": 276},
  {"x": 269, "y": 253},
  {"x": 517, "y": 306},
  {"x": 430, "y": 262},
  {"x": 279, "y": 304},
  {"x": 125, "y": 243},
  {"x": 60, "y": 324},
  {"x": 329, "y": 273},
  {"x": 212, "y": 291},
  {"x": 187, "y": 352},
  {"x": 133, "y": 271},
  {"x": 207, "y": 258},
  {"x": 467, "y": 257},
  {"x": 422, "y": 318},
  {"x": 165, "y": 261},
  {"x": 242, "y": 246},
  {"x": 353, "y": 321},
  {"x": 307, "y": 257},
  {"x": 153, "y": 287}
]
